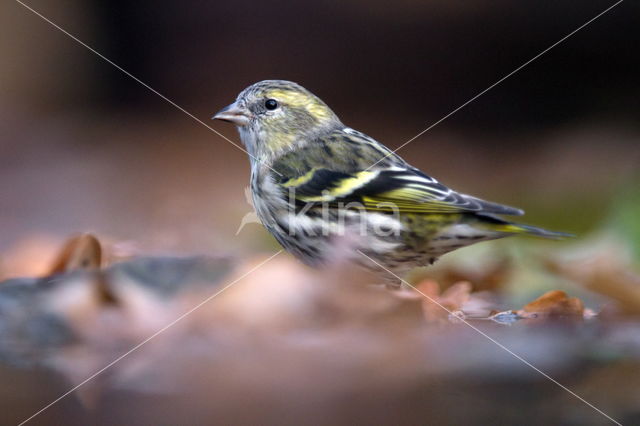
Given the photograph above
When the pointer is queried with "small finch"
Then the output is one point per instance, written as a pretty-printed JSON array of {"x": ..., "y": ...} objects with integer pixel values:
[{"x": 315, "y": 181}]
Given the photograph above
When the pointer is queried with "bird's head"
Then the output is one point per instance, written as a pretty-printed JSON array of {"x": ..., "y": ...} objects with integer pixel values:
[{"x": 274, "y": 116}]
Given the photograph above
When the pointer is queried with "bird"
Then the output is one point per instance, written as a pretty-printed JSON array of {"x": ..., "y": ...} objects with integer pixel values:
[{"x": 319, "y": 185}]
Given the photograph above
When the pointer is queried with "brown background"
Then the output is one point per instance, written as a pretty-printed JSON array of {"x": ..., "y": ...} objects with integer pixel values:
[{"x": 84, "y": 147}]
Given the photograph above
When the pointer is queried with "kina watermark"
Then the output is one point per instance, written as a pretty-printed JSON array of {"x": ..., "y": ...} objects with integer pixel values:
[{"x": 323, "y": 216}]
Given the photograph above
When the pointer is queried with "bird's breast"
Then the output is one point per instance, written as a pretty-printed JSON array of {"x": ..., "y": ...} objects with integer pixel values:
[{"x": 268, "y": 197}]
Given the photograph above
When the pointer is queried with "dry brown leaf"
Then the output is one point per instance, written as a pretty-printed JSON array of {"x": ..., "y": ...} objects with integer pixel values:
[
  {"x": 437, "y": 307},
  {"x": 456, "y": 296},
  {"x": 80, "y": 252},
  {"x": 555, "y": 303}
]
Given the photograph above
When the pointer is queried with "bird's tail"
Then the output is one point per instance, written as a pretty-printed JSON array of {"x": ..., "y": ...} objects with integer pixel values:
[{"x": 499, "y": 225}]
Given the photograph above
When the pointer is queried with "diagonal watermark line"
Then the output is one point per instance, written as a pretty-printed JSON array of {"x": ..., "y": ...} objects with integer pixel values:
[
  {"x": 145, "y": 341},
  {"x": 498, "y": 82},
  {"x": 139, "y": 81},
  {"x": 500, "y": 345}
]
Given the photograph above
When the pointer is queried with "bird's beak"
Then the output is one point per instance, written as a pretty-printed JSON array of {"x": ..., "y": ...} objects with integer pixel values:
[{"x": 233, "y": 114}]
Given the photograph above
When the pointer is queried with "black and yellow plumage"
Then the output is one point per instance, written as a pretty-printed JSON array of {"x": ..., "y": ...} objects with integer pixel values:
[{"x": 315, "y": 181}]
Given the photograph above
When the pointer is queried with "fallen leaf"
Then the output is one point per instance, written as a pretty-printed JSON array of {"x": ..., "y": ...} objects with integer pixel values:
[
  {"x": 555, "y": 303},
  {"x": 456, "y": 296},
  {"x": 440, "y": 307},
  {"x": 80, "y": 252}
]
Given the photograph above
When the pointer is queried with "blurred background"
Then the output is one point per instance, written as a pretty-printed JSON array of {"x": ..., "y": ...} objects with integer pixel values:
[{"x": 85, "y": 147}]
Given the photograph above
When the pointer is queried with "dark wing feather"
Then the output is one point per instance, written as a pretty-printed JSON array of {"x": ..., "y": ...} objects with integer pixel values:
[
  {"x": 335, "y": 168},
  {"x": 407, "y": 189}
]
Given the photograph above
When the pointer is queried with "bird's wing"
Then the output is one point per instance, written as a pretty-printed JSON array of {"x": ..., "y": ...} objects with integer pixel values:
[
  {"x": 337, "y": 168},
  {"x": 386, "y": 189}
]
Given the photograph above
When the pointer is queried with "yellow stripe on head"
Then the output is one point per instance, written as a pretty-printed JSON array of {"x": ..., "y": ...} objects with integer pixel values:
[{"x": 300, "y": 99}]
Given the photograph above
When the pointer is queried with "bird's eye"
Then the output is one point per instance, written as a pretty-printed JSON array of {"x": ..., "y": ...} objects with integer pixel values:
[{"x": 271, "y": 104}]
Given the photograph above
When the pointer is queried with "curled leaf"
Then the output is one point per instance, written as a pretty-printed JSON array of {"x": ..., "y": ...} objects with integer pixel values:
[
  {"x": 81, "y": 252},
  {"x": 446, "y": 306},
  {"x": 555, "y": 303}
]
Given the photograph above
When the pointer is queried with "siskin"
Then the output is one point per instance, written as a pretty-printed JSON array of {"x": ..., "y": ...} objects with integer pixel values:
[{"x": 316, "y": 182}]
